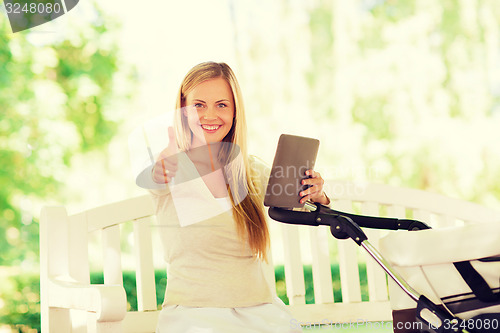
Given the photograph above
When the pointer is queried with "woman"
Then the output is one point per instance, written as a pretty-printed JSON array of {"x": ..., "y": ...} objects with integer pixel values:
[{"x": 211, "y": 214}]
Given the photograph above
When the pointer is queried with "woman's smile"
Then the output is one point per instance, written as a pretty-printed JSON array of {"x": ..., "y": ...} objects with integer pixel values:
[{"x": 208, "y": 128}]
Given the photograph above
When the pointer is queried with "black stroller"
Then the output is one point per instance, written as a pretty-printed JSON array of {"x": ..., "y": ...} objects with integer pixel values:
[{"x": 433, "y": 317}]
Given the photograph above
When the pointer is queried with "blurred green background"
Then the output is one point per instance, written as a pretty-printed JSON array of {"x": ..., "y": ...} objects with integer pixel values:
[{"x": 399, "y": 92}]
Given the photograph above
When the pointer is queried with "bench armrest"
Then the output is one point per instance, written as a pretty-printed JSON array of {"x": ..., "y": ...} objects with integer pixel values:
[{"x": 109, "y": 302}]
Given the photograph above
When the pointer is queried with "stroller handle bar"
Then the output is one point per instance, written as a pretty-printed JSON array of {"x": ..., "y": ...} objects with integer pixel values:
[
  {"x": 342, "y": 227},
  {"x": 373, "y": 222}
]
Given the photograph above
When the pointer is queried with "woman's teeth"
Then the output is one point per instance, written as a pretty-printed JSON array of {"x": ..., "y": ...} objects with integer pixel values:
[{"x": 210, "y": 127}]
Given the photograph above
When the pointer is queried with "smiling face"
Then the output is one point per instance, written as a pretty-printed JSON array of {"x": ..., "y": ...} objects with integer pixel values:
[{"x": 210, "y": 111}]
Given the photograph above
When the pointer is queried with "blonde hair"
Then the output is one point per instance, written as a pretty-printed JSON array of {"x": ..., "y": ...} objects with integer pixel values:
[{"x": 248, "y": 209}]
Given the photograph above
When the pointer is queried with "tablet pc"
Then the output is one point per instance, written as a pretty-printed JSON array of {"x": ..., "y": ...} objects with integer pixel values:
[{"x": 294, "y": 156}]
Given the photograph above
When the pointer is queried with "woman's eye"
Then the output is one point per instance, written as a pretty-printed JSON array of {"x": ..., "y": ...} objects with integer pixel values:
[
  {"x": 222, "y": 105},
  {"x": 198, "y": 105}
]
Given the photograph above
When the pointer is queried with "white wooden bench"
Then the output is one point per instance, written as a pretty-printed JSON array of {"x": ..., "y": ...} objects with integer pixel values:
[{"x": 69, "y": 303}]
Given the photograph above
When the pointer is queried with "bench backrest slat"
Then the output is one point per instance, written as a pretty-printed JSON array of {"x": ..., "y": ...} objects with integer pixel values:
[
  {"x": 145, "y": 275},
  {"x": 79, "y": 268},
  {"x": 376, "y": 278},
  {"x": 112, "y": 259},
  {"x": 294, "y": 272},
  {"x": 322, "y": 275},
  {"x": 348, "y": 264}
]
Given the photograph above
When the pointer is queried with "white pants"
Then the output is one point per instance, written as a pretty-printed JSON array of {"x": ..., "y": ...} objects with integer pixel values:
[{"x": 264, "y": 318}]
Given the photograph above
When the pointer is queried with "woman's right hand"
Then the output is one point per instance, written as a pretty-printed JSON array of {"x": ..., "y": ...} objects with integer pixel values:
[{"x": 166, "y": 164}]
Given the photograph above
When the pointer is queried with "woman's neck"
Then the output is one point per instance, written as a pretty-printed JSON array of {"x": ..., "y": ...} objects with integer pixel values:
[{"x": 205, "y": 156}]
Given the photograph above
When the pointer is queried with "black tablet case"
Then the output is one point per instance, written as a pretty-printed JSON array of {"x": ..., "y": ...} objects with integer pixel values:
[{"x": 294, "y": 155}]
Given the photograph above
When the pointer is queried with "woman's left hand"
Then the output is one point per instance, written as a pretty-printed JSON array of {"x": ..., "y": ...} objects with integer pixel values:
[{"x": 315, "y": 191}]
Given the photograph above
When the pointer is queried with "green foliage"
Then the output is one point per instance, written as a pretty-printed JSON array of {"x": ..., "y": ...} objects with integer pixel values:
[
  {"x": 370, "y": 112},
  {"x": 20, "y": 301},
  {"x": 56, "y": 101},
  {"x": 393, "y": 10},
  {"x": 319, "y": 76},
  {"x": 451, "y": 23},
  {"x": 87, "y": 67},
  {"x": 409, "y": 89},
  {"x": 320, "y": 23}
]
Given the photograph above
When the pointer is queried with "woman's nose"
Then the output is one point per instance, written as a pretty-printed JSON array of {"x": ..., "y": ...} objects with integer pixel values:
[{"x": 210, "y": 114}]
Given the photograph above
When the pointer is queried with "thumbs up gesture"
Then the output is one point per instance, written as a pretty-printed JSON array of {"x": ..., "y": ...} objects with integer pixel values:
[{"x": 165, "y": 166}]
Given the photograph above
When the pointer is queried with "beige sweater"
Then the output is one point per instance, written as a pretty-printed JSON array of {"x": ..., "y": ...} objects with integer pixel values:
[{"x": 208, "y": 264}]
